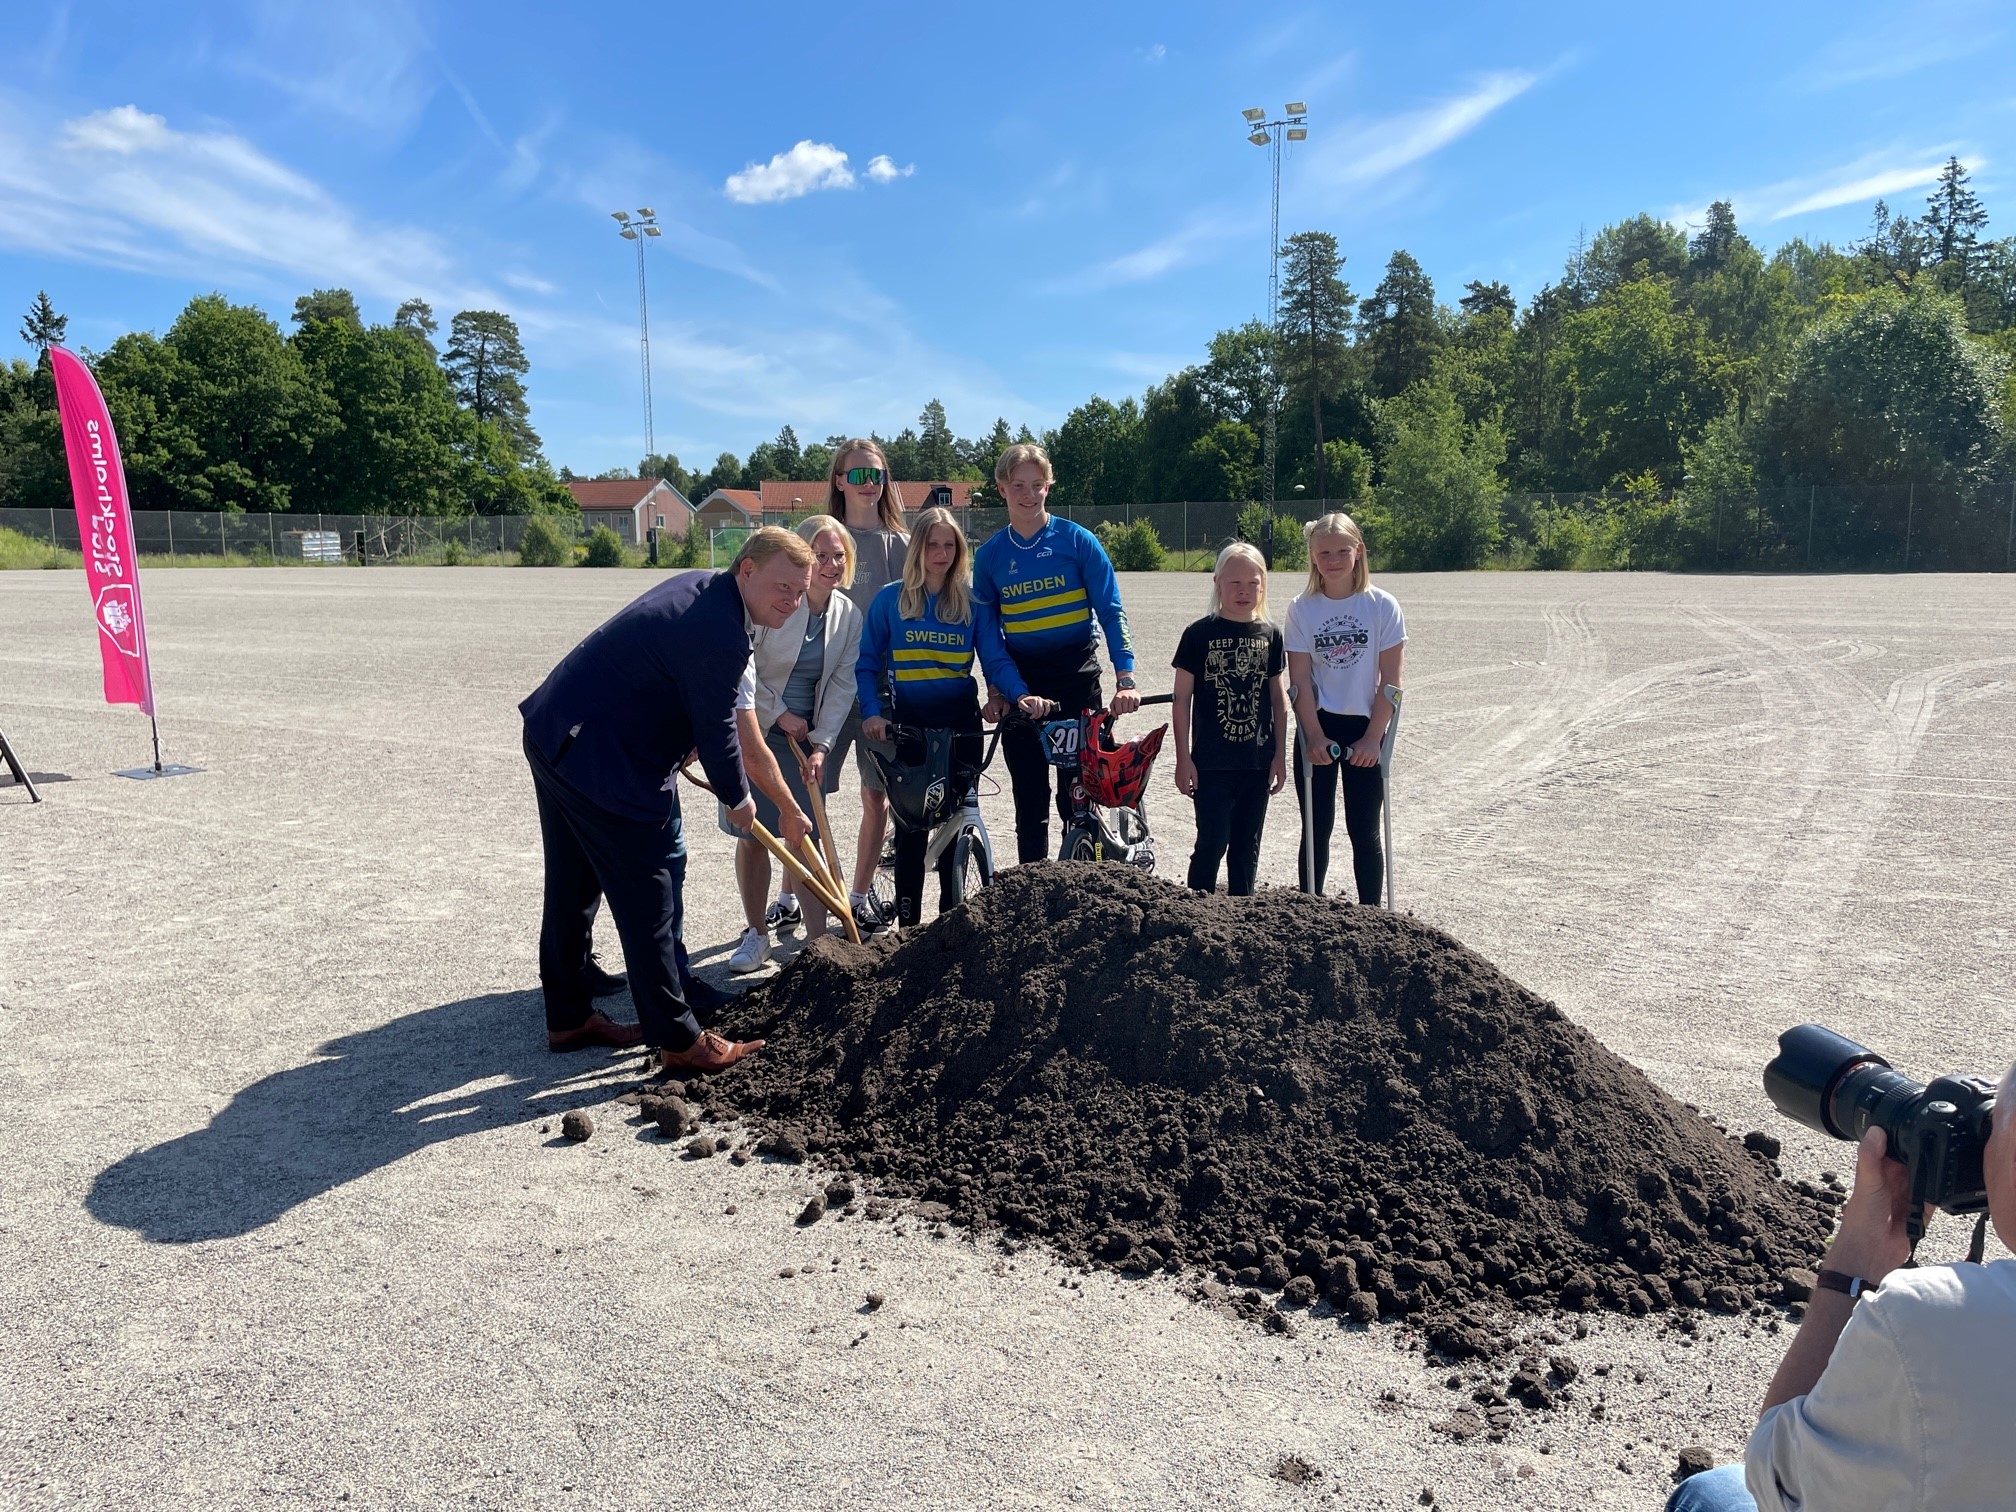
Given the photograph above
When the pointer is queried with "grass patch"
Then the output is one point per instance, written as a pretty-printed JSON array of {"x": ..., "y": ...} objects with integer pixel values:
[{"x": 21, "y": 553}]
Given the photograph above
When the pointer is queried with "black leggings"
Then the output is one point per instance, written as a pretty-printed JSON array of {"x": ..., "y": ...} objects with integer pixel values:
[
  {"x": 1364, "y": 791},
  {"x": 912, "y": 843},
  {"x": 1231, "y": 812},
  {"x": 1029, "y": 771}
]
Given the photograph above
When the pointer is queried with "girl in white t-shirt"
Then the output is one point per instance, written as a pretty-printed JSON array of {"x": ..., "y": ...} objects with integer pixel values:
[{"x": 1345, "y": 641}]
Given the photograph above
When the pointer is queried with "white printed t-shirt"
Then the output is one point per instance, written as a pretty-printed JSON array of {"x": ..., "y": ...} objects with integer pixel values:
[{"x": 1342, "y": 639}]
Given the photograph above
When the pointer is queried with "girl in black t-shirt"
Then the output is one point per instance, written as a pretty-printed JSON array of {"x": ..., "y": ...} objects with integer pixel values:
[{"x": 1231, "y": 717}]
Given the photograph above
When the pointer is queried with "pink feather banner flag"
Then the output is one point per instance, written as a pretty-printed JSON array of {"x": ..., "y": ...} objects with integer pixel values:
[{"x": 105, "y": 535}]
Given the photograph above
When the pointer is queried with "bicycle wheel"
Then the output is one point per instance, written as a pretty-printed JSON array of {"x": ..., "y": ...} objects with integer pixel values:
[
  {"x": 1081, "y": 845},
  {"x": 972, "y": 864}
]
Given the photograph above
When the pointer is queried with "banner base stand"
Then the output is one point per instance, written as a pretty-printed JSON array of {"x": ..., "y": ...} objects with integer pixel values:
[{"x": 148, "y": 774}]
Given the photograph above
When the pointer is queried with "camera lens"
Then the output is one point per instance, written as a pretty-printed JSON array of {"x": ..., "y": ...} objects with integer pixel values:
[{"x": 1813, "y": 1067}]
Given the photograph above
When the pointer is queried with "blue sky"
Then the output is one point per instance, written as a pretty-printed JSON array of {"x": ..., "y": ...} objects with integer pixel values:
[{"x": 1036, "y": 202}]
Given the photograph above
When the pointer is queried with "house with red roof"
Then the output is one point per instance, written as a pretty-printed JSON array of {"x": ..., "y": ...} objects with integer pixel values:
[
  {"x": 632, "y": 507},
  {"x": 776, "y": 502}
]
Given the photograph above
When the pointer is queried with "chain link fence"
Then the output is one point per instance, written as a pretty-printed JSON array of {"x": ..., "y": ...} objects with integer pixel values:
[{"x": 1906, "y": 527}]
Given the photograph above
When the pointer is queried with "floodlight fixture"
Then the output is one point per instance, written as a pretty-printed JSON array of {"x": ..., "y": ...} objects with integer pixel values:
[
  {"x": 628, "y": 233},
  {"x": 1298, "y": 133},
  {"x": 1298, "y": 108},
  {"x": 647, "y": 210},
  {"x": 653, "y": 231},
  {"x": 1259, "y": 139},
  {"x": 620, "y": 215},
  {"x": 1255, "y": 113}
]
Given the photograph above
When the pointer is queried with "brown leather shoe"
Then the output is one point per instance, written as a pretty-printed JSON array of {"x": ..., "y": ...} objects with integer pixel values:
[
  {"x": 710, "y": 1052},
  {"x": 598, "y": 1031}
]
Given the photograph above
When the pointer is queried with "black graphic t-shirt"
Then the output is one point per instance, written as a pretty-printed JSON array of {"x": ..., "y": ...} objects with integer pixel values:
[{"x": 1231, "y": 721}]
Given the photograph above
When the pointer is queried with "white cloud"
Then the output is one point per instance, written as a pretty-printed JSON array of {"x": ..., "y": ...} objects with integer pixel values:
[
  {"x": 806, "y": 168},
  {"x": 1178, "y": 248},
  {"x": 364, "y": 64},
  {"x": 882, "y": 168},
  {"x": 123, "y": 188},
  {"x": 530, "y": 284},
  {"x": 1366, "y": 154},
  {"x": 1154, "y": 54},
  {"x": 1868, "y": 178}
]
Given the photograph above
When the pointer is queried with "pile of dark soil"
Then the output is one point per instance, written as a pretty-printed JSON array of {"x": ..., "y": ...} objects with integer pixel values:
[{"x": 1294, "y": 1094}]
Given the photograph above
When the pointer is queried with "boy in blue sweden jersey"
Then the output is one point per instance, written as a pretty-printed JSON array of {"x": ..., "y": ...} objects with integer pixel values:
[{"x": 1038, "y": 585}]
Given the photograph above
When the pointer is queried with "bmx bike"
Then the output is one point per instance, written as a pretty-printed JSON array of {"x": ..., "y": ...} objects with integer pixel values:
[{"x": 1109, "y": 782}]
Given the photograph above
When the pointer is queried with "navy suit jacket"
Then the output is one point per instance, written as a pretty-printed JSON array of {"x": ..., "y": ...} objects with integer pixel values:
[{"x": 651, "y": 686}]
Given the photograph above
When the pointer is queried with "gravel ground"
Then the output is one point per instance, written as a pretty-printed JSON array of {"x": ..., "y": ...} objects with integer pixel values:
[{"x": 286, "y": 1216}]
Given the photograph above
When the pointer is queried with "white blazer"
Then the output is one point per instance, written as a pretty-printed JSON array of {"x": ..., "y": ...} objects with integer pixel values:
[{"x": 775, "y": 653}]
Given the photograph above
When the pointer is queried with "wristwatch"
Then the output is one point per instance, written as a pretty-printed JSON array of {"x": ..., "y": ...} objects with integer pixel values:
[
  {"x": 1849, "y": 1286},
  {"x": 1124, "y": 682}
]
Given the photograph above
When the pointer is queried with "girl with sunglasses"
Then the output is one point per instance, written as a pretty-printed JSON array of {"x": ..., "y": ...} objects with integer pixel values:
[{"x": 864, "y": 498}]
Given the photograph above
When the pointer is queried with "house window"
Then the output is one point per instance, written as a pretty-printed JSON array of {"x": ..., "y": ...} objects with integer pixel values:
[{"x": 659, "y": 521}]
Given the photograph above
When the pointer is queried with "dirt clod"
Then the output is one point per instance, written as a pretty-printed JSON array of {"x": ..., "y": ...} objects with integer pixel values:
[
  {"x": 814, "y": 1210},
  {"x": 700, "y": 1147},
  {"x": 1264, "y": 1088},
  {"x": 1693, "y": 1461},
  {"x": 875, "y": 1300},
  {"x": 575, "y": 1124},
  {"x": 1295, "y": 1470}
]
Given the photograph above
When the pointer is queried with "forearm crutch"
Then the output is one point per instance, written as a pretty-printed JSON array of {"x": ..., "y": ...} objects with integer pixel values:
[{"x": 1393, "y": 696}]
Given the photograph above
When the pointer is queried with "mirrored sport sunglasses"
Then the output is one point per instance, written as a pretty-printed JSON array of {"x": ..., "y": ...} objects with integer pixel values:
[{"x": 857, "y": 476}]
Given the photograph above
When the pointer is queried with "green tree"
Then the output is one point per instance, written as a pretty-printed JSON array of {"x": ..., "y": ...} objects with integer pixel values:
[
  {"x": 1890, "y": 389},
  {"x": 789, "y": 456},
  {"x": 1896, "y": 249},
  {"x": 1132, "y": 548},
  {"x": 903, "y": 459},
  {"x": 725, "y": 473},
  {"x": 1238, "y": 374},
  {"x": 220, "y": 413},
  {"x": 937, "y": 448},
  {"x": 42, "y": 327},
  {"x": 328, "y": 304},
  {"x": 1440, "y": 489},
  {"x": 1642, "y": 379},
  {"x": 1954, "y": 221},
  {"x": 665, "y": 465},
  {"x": 415, "y": 317},
  {"x": 33, "y": 470},
  {"x": 399, "y": 444},
  {"x": 1223, "y": 463},
  {"x": 1398, "y": 329},
  {"x": 1712, "y": 248},
  {"x": 487, "y": 361},
  {"x": 605, "y": 549},
  {"x": 1482, "y": 299},
  {"x": 1641, "y": 247},
  {"x": 1348, "y": 469},
  {"x": 1312, "y": 324},
  {"x": 543, "y": 545},
  {"x": 1095, "y": 452}
]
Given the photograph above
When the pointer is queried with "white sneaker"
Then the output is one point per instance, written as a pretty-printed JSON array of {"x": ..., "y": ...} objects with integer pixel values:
[{"x": 752, "y": 952}]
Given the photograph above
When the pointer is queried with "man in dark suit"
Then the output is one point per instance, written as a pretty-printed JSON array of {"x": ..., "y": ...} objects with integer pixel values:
[{"x": 605, "y": 735}]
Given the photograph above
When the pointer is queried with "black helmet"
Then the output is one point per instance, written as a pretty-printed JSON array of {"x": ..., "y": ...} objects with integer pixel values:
[{"x": 929, "y": 776}]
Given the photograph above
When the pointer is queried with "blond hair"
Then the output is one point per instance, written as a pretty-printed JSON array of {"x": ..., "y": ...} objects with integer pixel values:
[
  {"x": 955, "y": 599},
  {"x": 1241, "y": 551},
  {"x": 765, "y": 542},
  {"x": 1337, "y": 523},
  {"x": 1021, "y": 454},
  {"x": 811, "y": 529},
  {"x": 889, "y": 506}
]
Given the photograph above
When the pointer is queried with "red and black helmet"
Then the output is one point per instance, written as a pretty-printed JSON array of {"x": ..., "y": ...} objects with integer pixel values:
[{"x": 1116, "y": 776}]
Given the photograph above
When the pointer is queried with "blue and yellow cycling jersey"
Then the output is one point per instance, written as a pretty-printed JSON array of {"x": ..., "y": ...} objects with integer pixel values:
[
  {"x": 927, "y": 662},
  {"x": 1034, "y": 601}
]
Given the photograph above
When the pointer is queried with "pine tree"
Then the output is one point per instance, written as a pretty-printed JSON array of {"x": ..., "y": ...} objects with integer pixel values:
[
  {"x": 1953, "y": 219},
  {"x": 1314, "y": 318},
  {"x": 329, "y": 304},
  {"x": 1397, "y": 327},
  {"x": 416, "y": 318},
  {"x": 43, "y": 327},
  {"x": 1711, "y": 250},
  {"x": 937, "y": 450},
  {"x": 487, "y": 361}
]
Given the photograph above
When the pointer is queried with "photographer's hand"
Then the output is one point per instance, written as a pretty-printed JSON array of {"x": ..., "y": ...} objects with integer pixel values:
[{"x": 1871, "y": 1244}]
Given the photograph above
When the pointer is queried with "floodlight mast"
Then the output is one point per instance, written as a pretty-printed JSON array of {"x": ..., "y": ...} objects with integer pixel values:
[
  {"x": 1266, "y": 133},
  {"x": 638, "y": 230}
]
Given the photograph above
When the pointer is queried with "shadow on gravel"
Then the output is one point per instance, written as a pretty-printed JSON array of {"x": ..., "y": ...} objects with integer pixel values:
[{"x": 370, "y": 1099}]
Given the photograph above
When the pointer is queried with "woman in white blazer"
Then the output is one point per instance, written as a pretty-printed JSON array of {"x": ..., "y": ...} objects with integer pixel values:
[{"x": 802, "y": 678}]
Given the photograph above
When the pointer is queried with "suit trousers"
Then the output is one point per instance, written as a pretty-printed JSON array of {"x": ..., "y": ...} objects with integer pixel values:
[{"x": 592, "y": 854}]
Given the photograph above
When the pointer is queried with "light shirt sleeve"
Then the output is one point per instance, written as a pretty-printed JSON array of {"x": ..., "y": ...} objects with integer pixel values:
[
  {"x": 1395, "y": 629},
  {"x": 1297, "y": 635},
  {"x": 745, "y": 691},
  {"x": 1855, "y": 1441}
]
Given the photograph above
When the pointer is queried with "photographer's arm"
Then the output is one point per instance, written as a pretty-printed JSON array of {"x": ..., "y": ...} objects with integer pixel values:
[{"x": 1871, "y": 1243}]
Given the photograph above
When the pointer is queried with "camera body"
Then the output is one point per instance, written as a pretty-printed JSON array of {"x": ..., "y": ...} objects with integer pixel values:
[{"x": 1938, "y": 1132}]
